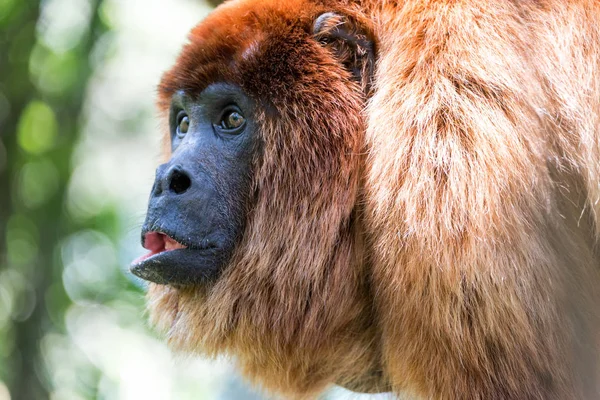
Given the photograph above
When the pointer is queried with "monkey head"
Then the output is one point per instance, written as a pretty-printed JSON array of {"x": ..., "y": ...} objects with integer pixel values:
[{"x": 252, "y": 222}]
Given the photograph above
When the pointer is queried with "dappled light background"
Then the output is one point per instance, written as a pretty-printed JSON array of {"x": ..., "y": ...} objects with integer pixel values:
[{"x": 79, "y": 142}]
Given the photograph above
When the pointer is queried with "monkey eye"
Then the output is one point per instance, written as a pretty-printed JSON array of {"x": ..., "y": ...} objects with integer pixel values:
[
  {"x": 183, "y": 124},
  {"x": 232, "y": 121}
]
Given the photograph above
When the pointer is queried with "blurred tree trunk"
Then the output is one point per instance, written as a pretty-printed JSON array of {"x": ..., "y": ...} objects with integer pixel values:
[
  {"x": 15, "y": 93},
  {"x": 24, "y": 373},
  {"x": 16, "y": 90}
]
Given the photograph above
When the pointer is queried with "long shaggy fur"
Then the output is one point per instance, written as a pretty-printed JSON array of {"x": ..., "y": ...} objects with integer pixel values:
[
  {"x": 438, "y": 237},
  {"x": 483, "y": 198}
]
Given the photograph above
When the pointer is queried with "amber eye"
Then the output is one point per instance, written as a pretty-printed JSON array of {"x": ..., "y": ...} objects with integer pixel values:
[
  {"x": 232, "y": 120},
  {"x": 183, "y": 124}
]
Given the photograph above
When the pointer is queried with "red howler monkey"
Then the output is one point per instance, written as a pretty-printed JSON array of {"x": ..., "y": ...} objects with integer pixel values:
[{"x": 388, "y": 195}]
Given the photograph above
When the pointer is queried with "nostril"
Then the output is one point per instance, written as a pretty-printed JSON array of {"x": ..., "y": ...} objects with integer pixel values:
[{"x": 179, "y": 182}]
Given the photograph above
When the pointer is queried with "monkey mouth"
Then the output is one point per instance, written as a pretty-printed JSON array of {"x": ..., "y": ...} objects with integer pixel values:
[
  {"x": 169, "y": 261},
  {"x": 158, "y": 242}
]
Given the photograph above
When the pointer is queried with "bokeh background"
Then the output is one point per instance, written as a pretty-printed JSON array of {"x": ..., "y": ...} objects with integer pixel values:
[{"x": 79, "y": 142}]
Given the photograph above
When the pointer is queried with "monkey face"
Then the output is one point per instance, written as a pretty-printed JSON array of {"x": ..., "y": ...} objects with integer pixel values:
[
  {"x": 201, "y": 199},
  {"x": 200, "y": 196},
  {"x": 258, "y": 104}
]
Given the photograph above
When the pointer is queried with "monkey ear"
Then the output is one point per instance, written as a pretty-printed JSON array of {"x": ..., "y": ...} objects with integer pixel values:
[{"x": 351, "y": 44}]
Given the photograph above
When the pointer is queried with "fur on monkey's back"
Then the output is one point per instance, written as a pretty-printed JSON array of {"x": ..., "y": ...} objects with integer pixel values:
[
  {"x": 482, "y": 189},
  {"x": 471, "y": 270}
]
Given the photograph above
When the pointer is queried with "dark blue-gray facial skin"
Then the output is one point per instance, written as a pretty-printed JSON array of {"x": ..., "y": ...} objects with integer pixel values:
[{"x": 200, "y": 197}]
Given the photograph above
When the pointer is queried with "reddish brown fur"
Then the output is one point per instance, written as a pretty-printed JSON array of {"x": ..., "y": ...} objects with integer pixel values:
[
  {"x": 293, "y": 304},
  {"x": 471, "y": 269}
]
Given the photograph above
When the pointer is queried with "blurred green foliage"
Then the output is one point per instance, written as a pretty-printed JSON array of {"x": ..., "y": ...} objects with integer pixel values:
[{"x": 42, "y": 92}]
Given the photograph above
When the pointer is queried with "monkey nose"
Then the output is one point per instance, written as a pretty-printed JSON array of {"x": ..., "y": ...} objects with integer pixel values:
[{"x": 173, "y": 179}]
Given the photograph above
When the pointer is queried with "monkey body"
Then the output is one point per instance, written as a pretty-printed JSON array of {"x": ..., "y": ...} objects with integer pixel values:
[{"x": 422, "y": 207}]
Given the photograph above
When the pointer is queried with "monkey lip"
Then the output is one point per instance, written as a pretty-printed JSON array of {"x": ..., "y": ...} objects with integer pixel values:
[{"x": 171, "y": 262}]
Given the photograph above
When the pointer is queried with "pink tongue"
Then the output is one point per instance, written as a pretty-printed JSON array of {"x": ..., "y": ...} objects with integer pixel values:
[{"x": 155, "y": 242}]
